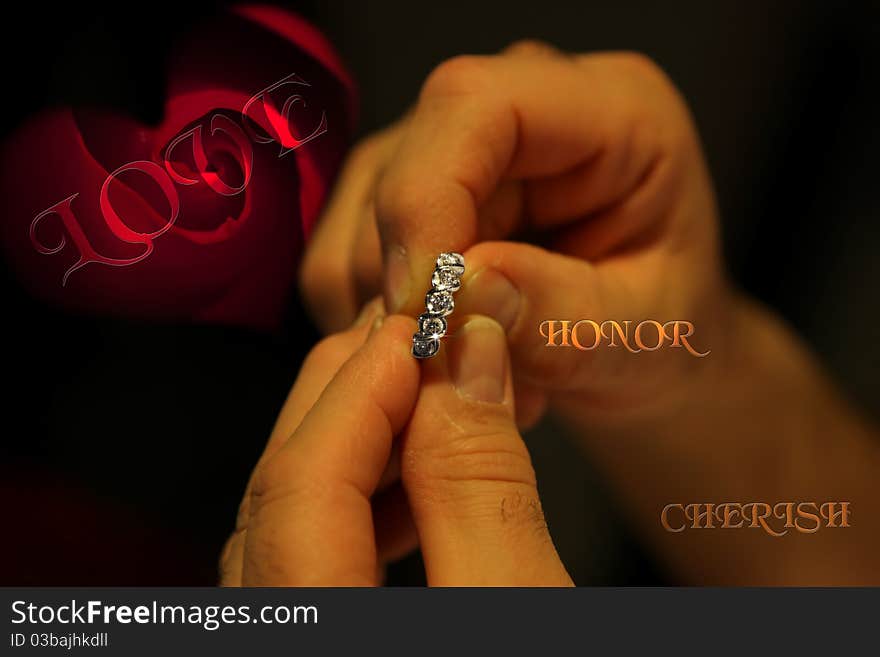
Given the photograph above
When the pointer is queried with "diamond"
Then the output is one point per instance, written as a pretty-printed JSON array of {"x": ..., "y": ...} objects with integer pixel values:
[
  {"x": 454, "y": 261},
  {"x": 424, "y": 347},
  {"x": 439, "y": 302},
  {"x": 432, "y": 325},
  {"x": 446, "y": 279}
]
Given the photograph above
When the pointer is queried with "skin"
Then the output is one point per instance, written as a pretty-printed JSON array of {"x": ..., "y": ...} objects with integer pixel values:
[
  {"x": 596, "y": 159},
  {"x": 326, "y": 506}
]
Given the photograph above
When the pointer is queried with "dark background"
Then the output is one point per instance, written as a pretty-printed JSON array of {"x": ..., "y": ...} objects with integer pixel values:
[{"x": 101, "y": 484}]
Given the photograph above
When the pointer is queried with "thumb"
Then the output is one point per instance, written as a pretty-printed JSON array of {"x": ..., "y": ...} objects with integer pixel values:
[
  {"x": 523, "y": 286},
  {"x": 468, "y": 474}
]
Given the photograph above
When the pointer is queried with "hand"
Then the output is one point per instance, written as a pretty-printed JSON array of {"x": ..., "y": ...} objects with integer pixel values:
[
  {"x": 594, "y": 156},
  {"x": 326, "y": 504}
]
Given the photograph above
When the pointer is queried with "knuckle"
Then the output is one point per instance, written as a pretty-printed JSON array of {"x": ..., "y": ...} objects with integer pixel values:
[
  {"x": 640, "y": 75},
  {"x": 463, "y": 74},
  {"x": 264, "y": 480},
  {"x": 645, "y": 78},
  {"x": 641, "y": 66},
  {"x": 524, "y": 508},
  {"x": 279, "y": 476},
  {"x": 488, "y": 457},
  {"x": 530, "y": 47},
  {"x": 268, "y": 476},
  {"x": 649, "y": 74}
]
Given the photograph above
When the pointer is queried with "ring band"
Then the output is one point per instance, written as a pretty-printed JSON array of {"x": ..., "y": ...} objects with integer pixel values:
[{"x": 439, "y": 303}]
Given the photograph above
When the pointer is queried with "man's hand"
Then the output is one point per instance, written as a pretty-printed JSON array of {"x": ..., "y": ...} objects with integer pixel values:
[
  {"x": 328, "y": 503},
  {"x": 596, "y": 159},
  {"x": 593, "y": 156}
]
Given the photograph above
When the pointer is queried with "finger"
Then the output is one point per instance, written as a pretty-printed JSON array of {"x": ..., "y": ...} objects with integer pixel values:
[
  {"x": 391, "y": 474},
  {"x": 499, "y": 215},
  {"x": 311, "y": 517},
  {"x": 592, "y": 136},
  {"x": 317, "y": 370},
  {"x": 468, "y": 474},
  {"x": 530, "y": 404},
  {"x": 520, "y": 286},
  {"x": 366, "y": 256},
  {"x": 523, "y": 286},
  {"x": 532, "y": 48},
  {"x": 319, "y": 367},
  {"x": 327, "y": 284},
  {"x": 231, "y": 559}
]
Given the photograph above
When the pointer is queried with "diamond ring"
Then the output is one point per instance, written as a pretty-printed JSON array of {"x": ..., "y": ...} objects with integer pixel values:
[{"x": 439, "y": 303}]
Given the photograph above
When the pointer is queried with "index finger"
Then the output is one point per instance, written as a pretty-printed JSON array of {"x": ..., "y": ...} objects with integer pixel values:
[
  {"x": 578, "y": 132},
  {"x": 311, "y": 520}
]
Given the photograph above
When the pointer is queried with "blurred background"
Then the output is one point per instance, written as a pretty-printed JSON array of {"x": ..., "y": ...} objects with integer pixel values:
[{"x": 121, "y": 469}]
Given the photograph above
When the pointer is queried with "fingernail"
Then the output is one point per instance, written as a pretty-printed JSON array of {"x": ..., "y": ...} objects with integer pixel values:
[
  {"x": 478, "y": 360},
  {"x": 376, "y": 325},
  {"x": 397, "y": 278},
  {"x": 490, "y": 293},
  {"x": 368, "y": 312}
]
